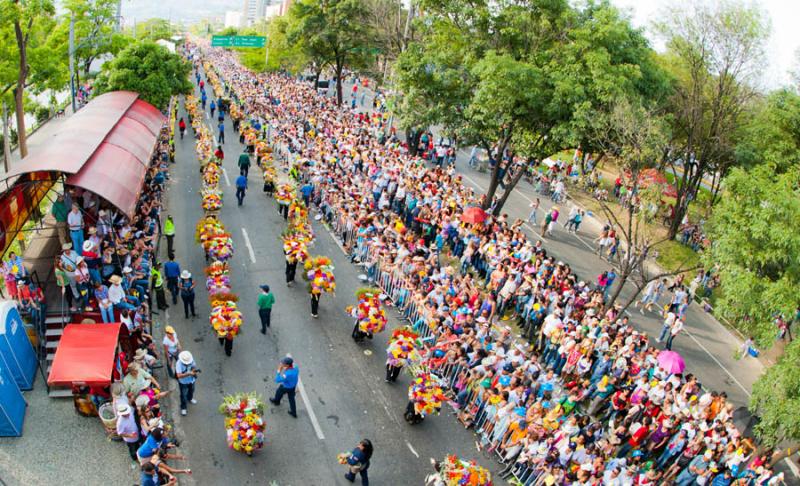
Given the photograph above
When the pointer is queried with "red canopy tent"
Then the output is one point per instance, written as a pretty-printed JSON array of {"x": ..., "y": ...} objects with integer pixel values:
[{"x": 85, "y": 355}]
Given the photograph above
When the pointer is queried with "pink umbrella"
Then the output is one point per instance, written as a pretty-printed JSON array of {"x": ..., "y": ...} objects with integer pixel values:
[{"x": 671, "y": 362}]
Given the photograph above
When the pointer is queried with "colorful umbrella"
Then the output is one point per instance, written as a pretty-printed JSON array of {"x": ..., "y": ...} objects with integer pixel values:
[
  {"x": 671, "y": 362},
  {"x": 474, "y": 215}
]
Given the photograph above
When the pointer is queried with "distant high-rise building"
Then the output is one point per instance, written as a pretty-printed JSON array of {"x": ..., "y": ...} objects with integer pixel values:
[
  {"x": 233, "y": 19},
  {"x": 253, "y": 11}
]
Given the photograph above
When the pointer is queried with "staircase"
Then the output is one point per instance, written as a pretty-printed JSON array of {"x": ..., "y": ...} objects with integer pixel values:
[{"x": 48, "y": 343}]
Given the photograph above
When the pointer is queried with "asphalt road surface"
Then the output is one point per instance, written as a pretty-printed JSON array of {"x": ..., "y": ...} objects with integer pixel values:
[{"x": 345, "y": 397}]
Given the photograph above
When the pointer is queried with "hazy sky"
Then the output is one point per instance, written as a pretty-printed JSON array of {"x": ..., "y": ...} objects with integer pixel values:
[{"x": 785, "y": 37}]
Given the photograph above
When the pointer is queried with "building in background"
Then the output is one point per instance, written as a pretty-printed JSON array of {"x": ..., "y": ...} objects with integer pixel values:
[
  {"x": 273, "y": 10},
  {"x": 285, "y": 4},
  {"x": 233, "y": 19},
  {"x": 253, "y": 11}
]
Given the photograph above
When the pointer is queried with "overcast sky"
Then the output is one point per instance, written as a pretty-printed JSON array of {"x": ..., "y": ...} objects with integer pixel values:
[{"x": 785, "y": 38}]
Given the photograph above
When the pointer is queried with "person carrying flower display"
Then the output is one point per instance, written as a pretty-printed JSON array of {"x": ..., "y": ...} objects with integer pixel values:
[
  {"x": 370, "y": 318},
  {"x": 244, "y": 422},
  {"x": 404, "y": 345},
  {"x": 319, "y": 273}
]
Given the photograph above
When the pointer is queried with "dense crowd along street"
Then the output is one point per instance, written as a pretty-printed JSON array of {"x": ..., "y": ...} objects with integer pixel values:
[{"x": 396, "y": 242}]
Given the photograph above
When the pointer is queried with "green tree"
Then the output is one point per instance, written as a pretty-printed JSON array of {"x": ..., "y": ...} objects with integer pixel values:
[
  {"x": 148, "y": 69},
  {"x": 755, "y": 245},
  {"x": 29, "y": 55},
  {"x": 776, "y": 399},
  {"x": 332, "y": 32},
  {"x": 153, "y": 30},
  {"x": 715, "y": 52},
  {"x": 284, "y": 54},
  {"x": 94, "y": 31},
  {"x": 521, "y": 80}
]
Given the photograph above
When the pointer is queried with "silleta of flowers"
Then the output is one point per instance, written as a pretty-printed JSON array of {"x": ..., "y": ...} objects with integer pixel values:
[
  {"x": 211, "y": 175},
  {"x": 212, "y": 199},
  {"x": 225, "y": 318},
  {"x": 403, "y": 347},
  {"x": 295, "y": 247},
  {"x": 319, "y": 273},
  {"x": 284, "y": 193},
  {"x": 244, "y": 423},
  {"x": 455, "y": 472},
  {"x": 368, "y": 312},
  {"x": 426, "y": 392}
]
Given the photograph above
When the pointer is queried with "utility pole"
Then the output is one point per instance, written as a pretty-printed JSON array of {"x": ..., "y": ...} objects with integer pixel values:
[
  {"x": 72, "y": 60},
  {"x": 118, "y": 26},
  {"x": 6, "y": 141}
]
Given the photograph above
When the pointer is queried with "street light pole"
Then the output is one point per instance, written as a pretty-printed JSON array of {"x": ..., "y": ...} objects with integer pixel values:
[{"x": 72, "y": 60}]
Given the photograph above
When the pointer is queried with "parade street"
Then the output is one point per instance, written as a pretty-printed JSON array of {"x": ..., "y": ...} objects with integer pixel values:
[{"x": 343, "y": 397}]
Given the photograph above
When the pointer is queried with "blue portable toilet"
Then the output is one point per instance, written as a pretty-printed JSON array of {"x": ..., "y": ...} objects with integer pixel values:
[
  {"x": 12, "y": 404},
  {"x": 15, "y": 347}
]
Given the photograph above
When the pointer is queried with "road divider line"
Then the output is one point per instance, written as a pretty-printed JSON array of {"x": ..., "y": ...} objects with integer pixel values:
[
  {"x": 311, "y": 415},
  {"x": 411, "y": 448},
  {"x": 249, "y": 246},
  {"x": 718, "y": 363},
  {"x": 225, "y": 173}
]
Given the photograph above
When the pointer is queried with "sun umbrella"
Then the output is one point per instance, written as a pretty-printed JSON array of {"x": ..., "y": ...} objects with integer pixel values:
[
  {"x": 474, "y": 215},
  {"x": 671, "y": 362}
]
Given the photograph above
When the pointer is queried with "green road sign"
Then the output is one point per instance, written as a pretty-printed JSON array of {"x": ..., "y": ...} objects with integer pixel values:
[{"x": 238, "y": 41}]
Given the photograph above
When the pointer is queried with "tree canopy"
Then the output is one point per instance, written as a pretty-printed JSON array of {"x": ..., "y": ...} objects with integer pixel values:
[
  {"x": 522, "y": 80},
  {"x": 148, "y": 69}
]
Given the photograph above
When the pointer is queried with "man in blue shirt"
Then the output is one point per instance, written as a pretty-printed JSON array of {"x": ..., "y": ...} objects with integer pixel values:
[
  {"x": 221, "y": 128},
  {"x": 149, "y": 475},
  {"x": 186, "y": 371},
  {"x": 306, "y": 190},
  {"x": 213, "y": 107},
  {"x": 241, "y": 188},
  {"x": 286, "y": 377},
  {"x": 172, "y": 270}
]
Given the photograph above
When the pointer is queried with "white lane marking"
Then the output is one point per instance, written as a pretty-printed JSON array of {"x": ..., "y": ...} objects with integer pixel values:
[
  {"x": 720, "y": 364},
  {"x": 411, "y": 448},
  {"x": 249, "y": 246},
  {"x": 227, "y": 181},
  {"x": 310, "y": 410},
  {"x": 794, "y": 469}
]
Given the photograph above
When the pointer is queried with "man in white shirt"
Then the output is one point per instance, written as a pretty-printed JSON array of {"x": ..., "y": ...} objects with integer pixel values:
[
  {"x": 75, "y": 223},
  {"x": 668, "y": 321},
  {"x": 674, "y": 330}
]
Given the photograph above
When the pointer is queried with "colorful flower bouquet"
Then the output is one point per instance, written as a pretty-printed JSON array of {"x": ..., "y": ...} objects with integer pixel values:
[
  {"x": 270, "y": 174},
  {"x": 319, "y": 273},
  {"x": 456, "y": 472},
  {"x": 284, "y": 194},
  {"x": 218, "y": 284},
  {"x": 216, "y": 269},
  {"x": 263, "y": 150},
  {"x": 212, "y": 200},
  {"x": 211, "y": 175},
  {"x": 298, "y": 213},
  {"x": 295, "y": 248},
  {"x": 404, "y": 345},
  {"x": 244, "y": 424},
  {"x": 207, "y": 227},
  {"x": 426, "y": 392},
  {"x": 368, "y": 312},
  {"x": 219, "y": 247},
  {"x": 225, "y": 318}
]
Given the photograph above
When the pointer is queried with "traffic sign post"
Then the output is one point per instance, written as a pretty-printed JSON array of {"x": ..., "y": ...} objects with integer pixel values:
[{"x": 253, "y": 41}]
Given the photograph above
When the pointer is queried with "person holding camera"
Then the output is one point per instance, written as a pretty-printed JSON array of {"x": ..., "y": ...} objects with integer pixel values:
[
  {"x": 186, "y": 371},
  {"x": 286, "y": 377}
]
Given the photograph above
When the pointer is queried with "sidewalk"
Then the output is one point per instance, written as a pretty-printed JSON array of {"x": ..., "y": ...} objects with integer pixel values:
[{"x": 76, "y": 447}]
